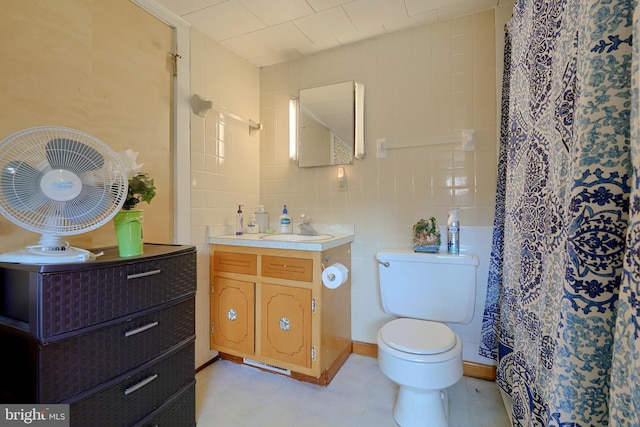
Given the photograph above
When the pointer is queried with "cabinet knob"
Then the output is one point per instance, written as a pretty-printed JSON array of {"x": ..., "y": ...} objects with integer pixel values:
[
  {"x": 285, "y": 324},
  {"x": 232, "y": 314}
]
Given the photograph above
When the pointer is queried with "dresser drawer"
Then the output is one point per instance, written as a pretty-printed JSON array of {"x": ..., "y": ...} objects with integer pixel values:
[
  {"x": 137, "y": 396},
  {"x": 78, "y": 299},
  {"x": 300, "y": 269},
  {"x": 232, "y": 262},
  {"x": 72, "y": 365},
  {"x": 178, "y": 411}
]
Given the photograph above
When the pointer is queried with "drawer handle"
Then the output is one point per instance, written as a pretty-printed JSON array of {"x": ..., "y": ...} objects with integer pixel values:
[
  {"x": 140, "y": 329},
  {"x": 141, "y": 384},
  {"x": 145, "y": 274}
]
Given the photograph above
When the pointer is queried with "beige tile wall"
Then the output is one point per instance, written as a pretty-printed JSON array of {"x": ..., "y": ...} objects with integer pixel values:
[
  {"x": 421, "y": 85},
  {"x": 224, "y": 156}
]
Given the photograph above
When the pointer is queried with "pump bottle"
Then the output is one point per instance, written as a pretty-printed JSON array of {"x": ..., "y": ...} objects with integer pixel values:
[
  {"x": 453, "y": 232},
  {"x": 286, "y": 227},
  {"x": 239, "y": 222}
]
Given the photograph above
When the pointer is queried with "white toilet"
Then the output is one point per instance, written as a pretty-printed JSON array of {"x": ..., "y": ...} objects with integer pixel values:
[{"x": 418, "y": 351}]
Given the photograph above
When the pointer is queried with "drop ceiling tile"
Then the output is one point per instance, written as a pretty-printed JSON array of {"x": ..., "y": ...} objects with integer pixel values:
[
  {"x": 225, "y": 20},
  {"x": 320, "y": 5},
  {"x": 368, "y": 15},
  {"x": 391, "y": 15},
  {"x": 264, "y": 31},
  {"x": 329, "y": 24},
  {"x": 281, "y": 37},
  {"x": 183, "y": 7},
  {"x": 246, "y": 46},
  {"x": 415, "y": 7},
  {"x": 273, "y": 13}
]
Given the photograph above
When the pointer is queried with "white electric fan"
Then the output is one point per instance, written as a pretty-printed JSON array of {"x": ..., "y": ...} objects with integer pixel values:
[{"x": 58, "y": 182}]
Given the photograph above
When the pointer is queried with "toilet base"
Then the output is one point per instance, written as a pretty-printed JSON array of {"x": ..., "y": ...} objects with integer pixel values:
[{"x": 421, "y": 408}]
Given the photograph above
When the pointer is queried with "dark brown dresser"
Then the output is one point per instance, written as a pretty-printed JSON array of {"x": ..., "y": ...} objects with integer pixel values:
[{"x": 113, "y": 338}]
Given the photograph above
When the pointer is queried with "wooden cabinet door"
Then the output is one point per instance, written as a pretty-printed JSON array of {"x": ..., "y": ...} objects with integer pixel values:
[
  {"x": 233, "y": 314},
  {"x": 286, "y": 324}
]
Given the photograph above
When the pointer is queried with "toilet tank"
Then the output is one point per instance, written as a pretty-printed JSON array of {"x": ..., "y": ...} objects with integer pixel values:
[{"x": 429, "y": 286}]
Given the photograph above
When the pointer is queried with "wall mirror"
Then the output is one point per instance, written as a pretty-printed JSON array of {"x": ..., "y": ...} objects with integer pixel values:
[{"x": 329, "y": 124}]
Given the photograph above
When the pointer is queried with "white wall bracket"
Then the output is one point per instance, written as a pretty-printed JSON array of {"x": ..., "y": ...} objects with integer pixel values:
[
  {"x": 201, "y": 106},
  {"x": 467, "y": 139}
]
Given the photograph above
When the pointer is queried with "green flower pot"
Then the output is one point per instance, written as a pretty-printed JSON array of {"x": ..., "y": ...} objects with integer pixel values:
[{"x": 129, "y": 232}]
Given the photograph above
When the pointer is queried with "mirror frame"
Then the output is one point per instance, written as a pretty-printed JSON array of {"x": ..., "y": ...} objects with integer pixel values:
[{"x": 357, "y": 127}]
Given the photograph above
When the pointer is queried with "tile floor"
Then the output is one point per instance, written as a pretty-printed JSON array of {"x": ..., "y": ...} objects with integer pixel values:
[{"x": 229, "y": 394}]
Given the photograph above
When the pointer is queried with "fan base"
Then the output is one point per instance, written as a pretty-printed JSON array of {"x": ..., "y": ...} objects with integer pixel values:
[{"x": 35, "y": 255}]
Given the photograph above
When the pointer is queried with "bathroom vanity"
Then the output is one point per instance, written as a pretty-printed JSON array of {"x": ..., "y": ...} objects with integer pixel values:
[{"x": 270, "y": 308}]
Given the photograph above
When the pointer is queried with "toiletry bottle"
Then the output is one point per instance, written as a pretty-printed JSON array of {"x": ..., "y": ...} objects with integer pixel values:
[
  {"x": 286, "y": 227},
  {"x": 453, "y": 232},
  {"x": 262, "y": 219},
  {"x": 252, "y": 227},
  {"x": 239, "y": 222}
]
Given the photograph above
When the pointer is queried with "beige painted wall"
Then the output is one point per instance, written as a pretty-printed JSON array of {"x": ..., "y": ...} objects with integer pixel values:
[
  {"x": 421, "y": 85},
  {"x": 101, "y": 66}
]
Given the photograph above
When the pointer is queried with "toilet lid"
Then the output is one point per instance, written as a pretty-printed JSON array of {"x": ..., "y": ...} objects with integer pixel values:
[{"x": 418, "y": 336}]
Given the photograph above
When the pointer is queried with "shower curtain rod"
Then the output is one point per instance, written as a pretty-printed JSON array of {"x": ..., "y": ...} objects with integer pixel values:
[
  {"x": 201, "y": 106},
  {"x": 467, "y": 138}
]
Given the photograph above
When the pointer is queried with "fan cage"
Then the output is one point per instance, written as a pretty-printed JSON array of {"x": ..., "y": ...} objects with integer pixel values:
[{"x": 25, "y": 157}]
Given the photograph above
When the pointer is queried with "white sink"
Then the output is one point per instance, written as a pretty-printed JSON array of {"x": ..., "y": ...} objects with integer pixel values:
[{"x": 296, "y": 237}]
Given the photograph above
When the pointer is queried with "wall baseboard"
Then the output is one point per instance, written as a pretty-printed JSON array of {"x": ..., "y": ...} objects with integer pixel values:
[
  {"x": 365, "y": 348},
  {"x": 205, "y": 364},
  {"x": 471, "y": 369},
  {"x": 479, "y": 370}
]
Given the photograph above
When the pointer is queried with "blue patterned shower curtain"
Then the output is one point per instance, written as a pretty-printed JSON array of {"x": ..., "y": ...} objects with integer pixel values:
[{"x": 562, "y": 316}]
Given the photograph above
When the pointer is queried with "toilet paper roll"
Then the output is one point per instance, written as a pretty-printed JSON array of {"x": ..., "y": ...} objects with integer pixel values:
[{"x": 335, "y": 275}]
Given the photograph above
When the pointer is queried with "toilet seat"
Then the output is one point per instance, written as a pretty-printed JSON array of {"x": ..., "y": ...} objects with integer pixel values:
[{"x": 415, "y": 336}]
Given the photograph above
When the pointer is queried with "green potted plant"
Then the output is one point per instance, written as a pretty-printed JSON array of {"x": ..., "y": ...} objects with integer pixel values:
[
  {"x": 129, "y": 220},
  {"x": 141, "y": 189},
  {"x": 426, "y": 236}
]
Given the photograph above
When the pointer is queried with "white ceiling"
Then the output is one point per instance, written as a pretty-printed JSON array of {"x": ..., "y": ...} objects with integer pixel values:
[{"x": 267, "y": 32}]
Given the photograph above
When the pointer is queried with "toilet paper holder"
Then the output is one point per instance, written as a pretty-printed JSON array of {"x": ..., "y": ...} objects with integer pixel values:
[
  {"x": 334, "y": 275},
  {"x": 330, "y": 276},
  {"x": 325, "y": 260}
]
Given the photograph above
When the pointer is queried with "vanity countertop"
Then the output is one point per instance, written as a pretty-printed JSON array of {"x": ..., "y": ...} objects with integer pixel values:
[{"x": 257, "y": 241}]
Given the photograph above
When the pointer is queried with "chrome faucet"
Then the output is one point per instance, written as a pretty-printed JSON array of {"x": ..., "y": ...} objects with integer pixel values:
[{"x": 305, "y": 226}]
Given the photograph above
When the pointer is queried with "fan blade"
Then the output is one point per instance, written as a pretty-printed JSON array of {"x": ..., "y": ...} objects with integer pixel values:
[
  {"x": 21, "y": 186},
  {"x": 63, "y": 153},
  {"x": 90, "y": 203}
]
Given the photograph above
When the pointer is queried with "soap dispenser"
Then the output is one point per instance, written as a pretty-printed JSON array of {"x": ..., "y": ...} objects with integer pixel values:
[
  {"x": 453, "y": 232},
  {"x": 286, "y": 226},
  {"x": 239, "y": 222}
]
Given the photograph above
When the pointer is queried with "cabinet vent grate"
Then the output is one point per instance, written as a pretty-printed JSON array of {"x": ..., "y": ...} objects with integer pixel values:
[{"x": 266, "y": 366}]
